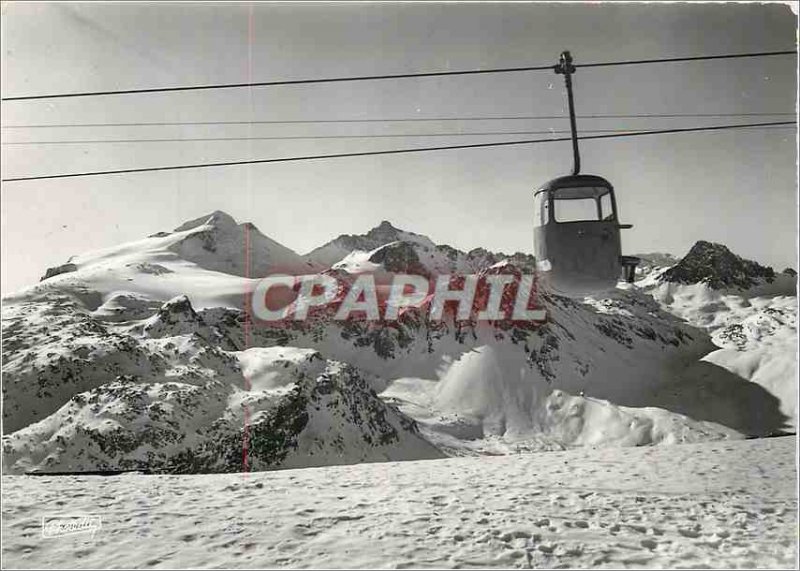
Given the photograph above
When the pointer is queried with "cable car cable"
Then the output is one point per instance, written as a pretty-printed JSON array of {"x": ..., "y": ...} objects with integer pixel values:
[
  {"x": 384, "y": 77},
  {"x": 685, "y": 59},
  {"x": 320, "y": 137},
  {"x": 393, "y": 151},
  {"x": 402, "y": 120}
]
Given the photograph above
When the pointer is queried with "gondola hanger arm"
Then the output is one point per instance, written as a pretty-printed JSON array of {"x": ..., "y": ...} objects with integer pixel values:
[{"x": 566, "y": 68}]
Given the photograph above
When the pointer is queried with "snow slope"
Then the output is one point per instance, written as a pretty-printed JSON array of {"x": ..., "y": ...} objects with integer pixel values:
[{"x": 707, "y": 505}]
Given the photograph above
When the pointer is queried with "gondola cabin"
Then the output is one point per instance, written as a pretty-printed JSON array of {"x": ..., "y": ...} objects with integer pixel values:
[{"x": 577, "y": 238}]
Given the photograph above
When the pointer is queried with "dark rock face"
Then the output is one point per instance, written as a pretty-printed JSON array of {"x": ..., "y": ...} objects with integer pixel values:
[
  {"x": 58, "y": 270},
  {"x": 384, "y": 232},
  {"x": 718, "y": 267},
  {"x": 178, "y": 317},
  {"x": 525, "y": 262},
  {"x": 399, "y": 257}
]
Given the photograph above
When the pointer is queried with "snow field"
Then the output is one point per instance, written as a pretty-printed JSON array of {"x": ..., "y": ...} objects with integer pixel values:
[{"x": 714, "y": 504}]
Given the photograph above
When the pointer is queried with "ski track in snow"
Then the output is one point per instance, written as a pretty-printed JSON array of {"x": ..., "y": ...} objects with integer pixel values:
[{"x": 715, "y": 504}]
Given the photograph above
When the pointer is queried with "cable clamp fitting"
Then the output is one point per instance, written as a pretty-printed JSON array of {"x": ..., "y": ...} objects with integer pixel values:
[{"x": 564, "y": 66}]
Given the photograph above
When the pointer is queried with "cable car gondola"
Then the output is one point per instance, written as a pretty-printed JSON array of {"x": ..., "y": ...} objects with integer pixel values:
[{"x": 576, "y": 225}]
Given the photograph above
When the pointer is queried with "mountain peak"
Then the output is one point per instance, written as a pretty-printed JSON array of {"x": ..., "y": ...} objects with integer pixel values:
[
  {"x": 218, "y": 219},
  {"x": 715, "y": 265},
  {"x": 174, "y": 317},
  {"x": 437, "y": 258},
  {"x": 384, "y": 230},
  {"x": 217, "y": 242}
]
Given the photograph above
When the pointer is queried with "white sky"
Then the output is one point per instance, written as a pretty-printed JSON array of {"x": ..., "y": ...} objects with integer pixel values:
[{"x": 738, "y": 188}]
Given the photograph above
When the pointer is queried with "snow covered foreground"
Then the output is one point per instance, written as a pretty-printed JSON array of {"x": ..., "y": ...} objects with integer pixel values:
[{"x": 714, "y": 504}]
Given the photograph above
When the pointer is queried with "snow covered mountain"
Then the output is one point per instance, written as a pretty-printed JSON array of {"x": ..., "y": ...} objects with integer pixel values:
[
  {"x": 360, "y": 252},
  {"x": 217, "y": 243},
  {"x": 717, "y": 267},
  {"x": 749, "y": 310},
  {"x": 141, "y": 357},
  {"x": 212, "y": 259},
  {"x": 162, "y": 394},
  {"x": 654, "y": 261}
]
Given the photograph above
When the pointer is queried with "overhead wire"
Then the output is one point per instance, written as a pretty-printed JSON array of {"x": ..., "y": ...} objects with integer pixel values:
[
  {"x": 397, "y": 120},
  {"x": 322, "y": 137},
  {"x": 288, "y": 82},
  {"x": 391, "y": 151}
]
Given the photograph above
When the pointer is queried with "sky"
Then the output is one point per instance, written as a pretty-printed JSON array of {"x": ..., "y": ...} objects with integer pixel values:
[{"x": 734, "y": 187}]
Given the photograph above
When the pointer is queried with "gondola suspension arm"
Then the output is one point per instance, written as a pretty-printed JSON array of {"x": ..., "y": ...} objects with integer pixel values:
[{"x": 565, "y": 68}]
